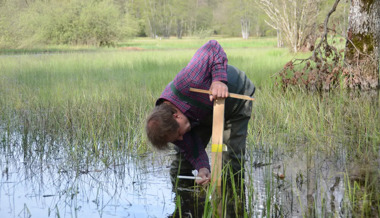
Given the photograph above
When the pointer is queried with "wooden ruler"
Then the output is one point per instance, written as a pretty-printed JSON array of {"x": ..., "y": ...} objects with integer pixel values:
[
  {"x": 217, "y": 146},
  {"x": 217, "y": 142},
  {"x": 217, "y": 134},
  {"x": 232, "y": 95}
]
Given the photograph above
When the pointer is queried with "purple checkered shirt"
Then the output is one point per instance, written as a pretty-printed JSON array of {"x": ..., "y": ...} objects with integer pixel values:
[{"x": 208, "y": 64}]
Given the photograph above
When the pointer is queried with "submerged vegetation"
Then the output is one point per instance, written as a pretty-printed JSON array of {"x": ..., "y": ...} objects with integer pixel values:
[{"x": 89, "y": 109}]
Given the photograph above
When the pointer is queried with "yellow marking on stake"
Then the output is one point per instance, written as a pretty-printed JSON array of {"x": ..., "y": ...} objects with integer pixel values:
[{"x": 216, "y": 147}]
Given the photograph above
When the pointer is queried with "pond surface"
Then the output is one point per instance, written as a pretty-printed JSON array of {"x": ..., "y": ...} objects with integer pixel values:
[
  {"x": 296, "y": 184},
  {"x": 46, "y": 182},
  {"x": 41, "y": 186}
]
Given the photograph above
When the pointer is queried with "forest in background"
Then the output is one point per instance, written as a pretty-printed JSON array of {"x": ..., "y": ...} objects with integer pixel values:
[{"x": 31, "y": 23}]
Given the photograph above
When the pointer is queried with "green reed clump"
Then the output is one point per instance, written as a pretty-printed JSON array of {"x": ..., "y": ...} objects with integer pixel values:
[
  {"x": 229, "y": 199},
  {"x": 327, "y": 122},
  {"x": 362, "y": 195},
  {"x": 67, "y": 99},
  {"x": 339, "y": 124}
]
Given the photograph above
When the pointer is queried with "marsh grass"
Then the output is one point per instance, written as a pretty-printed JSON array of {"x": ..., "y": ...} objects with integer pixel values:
[
  {"x": 95, "y": 98},
  {"x": 95, "y": 104}
]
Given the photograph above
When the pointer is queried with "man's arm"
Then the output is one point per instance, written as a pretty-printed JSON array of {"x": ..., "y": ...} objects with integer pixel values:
[
  {"x": 218, "y": 61},
  {"x": 199, "y": 160},
  {"x": 200, "y": 163},
  {"x": 218, "y": 86},
  {"x": 206, "y": 70},
  {"x": 213, "y": 58}
]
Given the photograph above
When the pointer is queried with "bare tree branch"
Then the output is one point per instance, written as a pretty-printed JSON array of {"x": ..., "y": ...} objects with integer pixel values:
[
  {"x": 322, "y": 68},
  {"x": 325, "y": 24}
]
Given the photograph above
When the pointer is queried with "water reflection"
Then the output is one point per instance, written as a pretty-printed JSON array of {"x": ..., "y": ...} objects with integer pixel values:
[
  {"x": 228, "y": 201},
  {"x": 49, "y": 183},
  {"x": 190, "y": 198},
  {"x": 297, "y": 183},
  {"x": 43, "y": 178}
]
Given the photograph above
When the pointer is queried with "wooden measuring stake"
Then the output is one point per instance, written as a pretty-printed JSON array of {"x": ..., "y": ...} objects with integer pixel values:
[
  {"x": 217, "y": 134},
  {"x": 217, "y": 139},
  {"x": 217, "y": 149},
  {"x": 217, "y": 142}
]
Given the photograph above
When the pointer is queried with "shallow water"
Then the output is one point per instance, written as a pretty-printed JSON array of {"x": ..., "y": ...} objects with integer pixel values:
[
  {"x": 297, "y": 184},
  {"x": 46, "y": 182},
  {"x": 51, "y": 187}
]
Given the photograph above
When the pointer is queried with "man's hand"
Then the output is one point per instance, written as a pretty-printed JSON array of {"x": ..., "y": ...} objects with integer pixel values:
[
  {"x": 218, "y": 90},
  {"x": 204, "y": 173}
]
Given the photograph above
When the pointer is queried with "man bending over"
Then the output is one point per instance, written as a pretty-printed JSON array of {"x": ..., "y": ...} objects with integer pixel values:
[{"x": 184, "y": 118}]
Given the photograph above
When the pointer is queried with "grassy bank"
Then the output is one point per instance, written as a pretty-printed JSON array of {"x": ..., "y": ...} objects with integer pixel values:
[{"x": 139, "y": 44}]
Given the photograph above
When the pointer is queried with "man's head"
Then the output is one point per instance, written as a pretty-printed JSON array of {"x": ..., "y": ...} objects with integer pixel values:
[{"x": 166, "y": 124}]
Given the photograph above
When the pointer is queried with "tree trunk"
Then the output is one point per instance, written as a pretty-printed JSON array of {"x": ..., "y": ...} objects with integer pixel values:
[
  {"x": 245, "y": 26},
  {"x": 179, "y": 28},
  {"x": 362, "y": 45},
  {"x": 280, "y": 43}
]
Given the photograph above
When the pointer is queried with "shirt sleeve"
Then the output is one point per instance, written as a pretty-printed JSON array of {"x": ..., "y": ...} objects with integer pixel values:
[
  {"x": 208, "y": 64},
  {"x": 218, "y": 60},
  {"x": 197, "y": 156}
]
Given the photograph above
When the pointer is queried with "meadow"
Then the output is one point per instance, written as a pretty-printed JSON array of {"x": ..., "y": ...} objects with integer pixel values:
[{"x": 75, "y": 111}]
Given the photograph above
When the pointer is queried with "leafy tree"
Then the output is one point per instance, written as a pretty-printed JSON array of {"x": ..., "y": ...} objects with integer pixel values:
[
  {"x": 95, "y": 22},
  {"x": 99, "y": 24},
  {"x": 200, "y": 14},
  {"x": 180, "y": 16},
  {"x": 159, "y": 15},
  {"x": 53, "y": 22},
  {"x": 136, "y": 11},
  {"x": 10, "y": 32}
]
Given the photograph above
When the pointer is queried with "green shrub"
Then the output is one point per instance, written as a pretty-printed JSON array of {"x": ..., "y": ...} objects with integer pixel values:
[{"x": 76, "y": 22}]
